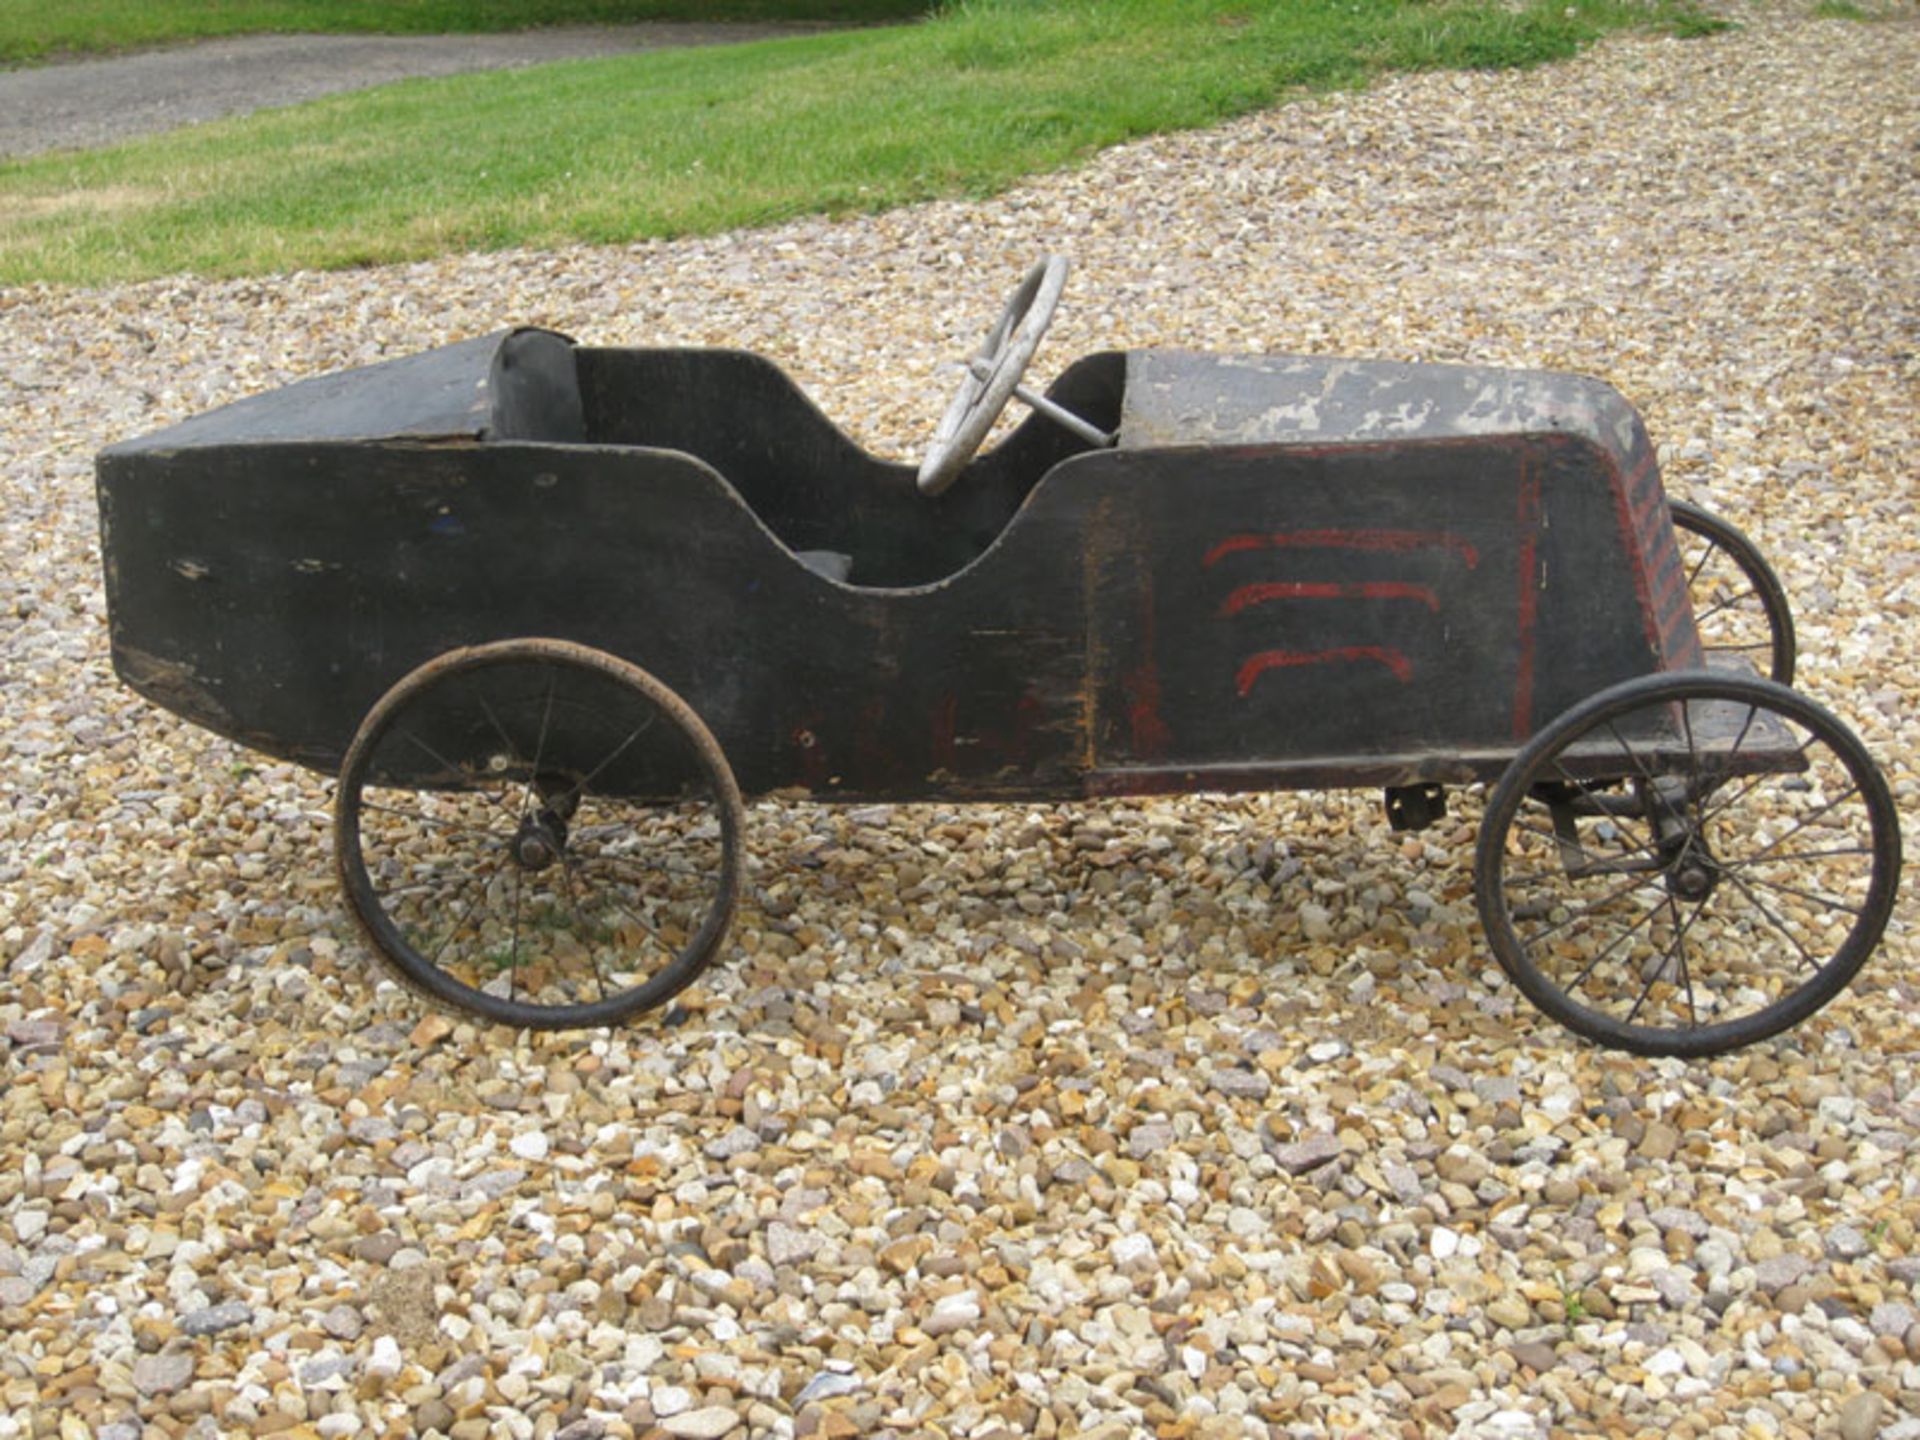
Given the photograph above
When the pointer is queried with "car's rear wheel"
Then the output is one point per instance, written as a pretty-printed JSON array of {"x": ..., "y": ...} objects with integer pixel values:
[{"x": 1739, "y": 605}]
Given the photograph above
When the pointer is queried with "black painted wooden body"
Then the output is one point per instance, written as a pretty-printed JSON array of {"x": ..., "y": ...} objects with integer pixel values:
[{"x": 1288, "y": 573}]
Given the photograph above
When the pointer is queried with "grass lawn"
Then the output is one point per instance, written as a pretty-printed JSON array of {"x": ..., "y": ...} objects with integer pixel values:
[
  {"x": 32, "y": 30},
  {"x": 675, "y": 142}
]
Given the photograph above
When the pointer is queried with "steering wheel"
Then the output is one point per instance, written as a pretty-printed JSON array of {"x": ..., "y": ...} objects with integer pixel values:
[{"x": 993, "y": 374}]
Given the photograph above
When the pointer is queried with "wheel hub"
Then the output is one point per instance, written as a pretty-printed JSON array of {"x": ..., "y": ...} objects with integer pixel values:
[
  {"x": 1693, "y": 874},
  {"x": 1691, "y": 871},
  {"x": 540, "y": 840}
]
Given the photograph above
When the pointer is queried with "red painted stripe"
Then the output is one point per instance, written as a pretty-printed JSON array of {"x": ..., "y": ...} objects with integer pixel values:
[
  {"x": 1679, "y": 640},
  {"x": 1636, "y": 481},
  {"x": 1527, "y": 523},
  {"x": 1639, "y": 542},
  {"x": 1151, "y": 737},
  {"x": 1671, "y": 610},
  {"x": 1668, "y": 581},
  {"x": 1233, "y": 545},
  {"x": 945, "y": 746},
  {"x": 1649, "y": 505},
  {"x": 1248, "y": 596},
  {"x": 1682, "y": 641},
  {"x": 1398, "y": 541},
  {"x": 1258, "y": 665}
]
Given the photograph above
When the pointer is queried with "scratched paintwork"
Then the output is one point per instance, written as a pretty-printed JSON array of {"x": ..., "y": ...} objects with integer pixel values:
[
  {"x": 1289, "y": 571},
  {"x": 171, "y": 683},
  {"x": 1177, "y": 397}
]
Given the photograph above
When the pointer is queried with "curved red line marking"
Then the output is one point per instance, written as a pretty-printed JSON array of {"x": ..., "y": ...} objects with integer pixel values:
[
  {"x": 1258, "y": 665},
  {"x": 1233, "y": 545},
  {"x": 1388, "y": 540},
  {"x": 1248, "y": 596}
]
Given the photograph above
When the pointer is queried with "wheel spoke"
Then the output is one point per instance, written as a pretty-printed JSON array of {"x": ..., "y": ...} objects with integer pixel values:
[
  {"x": 451, "y": 768},
  {"x": 639, "y": 919},
  {"x": 1803, "y": 822},
  {"x": 498, "y": 728},
  {"x": 422, "y": 886},
  {"x": 1628, "y": 751},
  {"x": 1622, "y": 938},
  {"x": 1587, "y": 872},
  {"x": 1713, "y": 549},
  {"x": 454, "y": 929},
  {"x": 1835, "y": 853},
  {"x": 1733, "y": 751},
  {"x": 1622, "y": 822},
  {"x": 1589, "y": 909},
  {"x": 529, "y": 798},
  {"x": 432, "y": 754},
  {"x": 1826, "y": 901},
  {"x": 641, "y": 869},
  {"x": 1686, "y": 973},
  {"x": 573, "y": 903},
  {"x": 579, "y": 786},
  {"x": 1785, "y": 929},
  {"x": 452, "y": 827},
  {"x": 1724, "y": 606},
  {"x": 1679, "y": 940},
  {"x": 1707, "y": 817},
  {"x": 1693, "y": 760},
  {"x": 1633, "y": 847},
  {"x": 513, "y": 951},
  {"x": 1757, "y": 781}
]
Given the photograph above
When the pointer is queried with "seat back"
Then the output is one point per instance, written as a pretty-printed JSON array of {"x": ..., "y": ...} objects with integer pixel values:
[{"x": 536, "y": 390}]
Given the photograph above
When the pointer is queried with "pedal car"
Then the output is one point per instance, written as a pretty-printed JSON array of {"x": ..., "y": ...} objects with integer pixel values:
[{"x": 550, "y": 610}]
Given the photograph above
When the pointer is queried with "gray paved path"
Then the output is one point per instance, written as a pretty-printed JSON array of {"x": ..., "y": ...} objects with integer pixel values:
[{"x": 95, "y": 102}]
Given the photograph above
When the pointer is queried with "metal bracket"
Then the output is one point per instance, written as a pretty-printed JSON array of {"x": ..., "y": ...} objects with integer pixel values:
[
  {"x": 1059, "y": 414},
  {"x": 1415, "y": 807}
]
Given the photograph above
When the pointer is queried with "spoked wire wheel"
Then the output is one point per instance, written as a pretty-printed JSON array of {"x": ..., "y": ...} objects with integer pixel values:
[
  {"x": 1739, "y": 604},
  {"x": 1687, "y": 862},
  {"x": 540, "y": 834}
]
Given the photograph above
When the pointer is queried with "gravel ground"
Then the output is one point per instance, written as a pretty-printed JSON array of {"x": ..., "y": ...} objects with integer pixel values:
[
  {"x": 1003, "y": 1121},
  {"x": 95, "y": 102}
]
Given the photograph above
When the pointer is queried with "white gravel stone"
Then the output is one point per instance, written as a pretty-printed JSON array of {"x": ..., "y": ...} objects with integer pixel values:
[
  {"x": 826, "y": 1385},
  {"x": 1132, "y": 1253},
  {"x": 1860, "y": 1416},
  {"x": 709, "y": 1422},
  {"x": 951, "y": 1313},
  {"x": 164, "y": 1373},
  {"x": 788, "y": 1245},
  {"x": 386, "y": 1360},
  {"x": 1304, "y": 1156},
  {"x": 1892, "y": 1320},
  {"x": 668, "y": 1400}
]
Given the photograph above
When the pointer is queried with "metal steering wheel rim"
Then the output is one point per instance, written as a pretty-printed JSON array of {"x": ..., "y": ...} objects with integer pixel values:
[{"x": 1003, "y": 357}]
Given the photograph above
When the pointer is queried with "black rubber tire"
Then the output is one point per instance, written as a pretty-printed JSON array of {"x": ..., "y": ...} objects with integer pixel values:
[
  {"x": 431, "y": 684},
  {"x": 1722, "y": 535},
  {"x": 1713, "y": 791}
]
